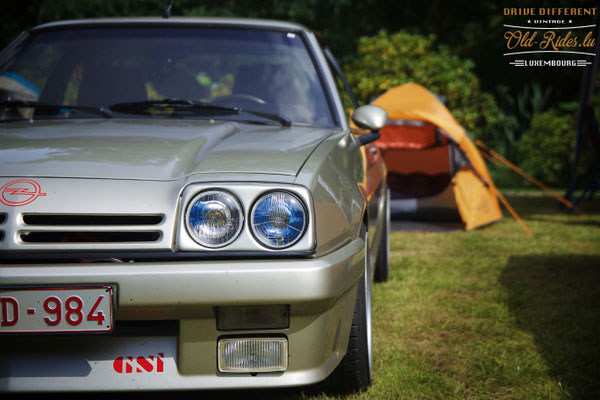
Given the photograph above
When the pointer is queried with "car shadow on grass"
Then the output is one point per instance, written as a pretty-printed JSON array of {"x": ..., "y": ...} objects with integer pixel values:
[{"x": 557, "y": 299}]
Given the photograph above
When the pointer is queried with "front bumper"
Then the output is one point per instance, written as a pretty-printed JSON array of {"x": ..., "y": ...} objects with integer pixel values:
[{"x": 320, "y": 291}]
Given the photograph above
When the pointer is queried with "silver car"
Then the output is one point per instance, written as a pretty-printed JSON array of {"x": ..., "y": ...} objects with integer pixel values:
[{"x": 184, "y": 205}]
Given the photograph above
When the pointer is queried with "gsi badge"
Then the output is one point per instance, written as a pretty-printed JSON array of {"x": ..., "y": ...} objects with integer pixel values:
[{"x": 140, "y": 364}]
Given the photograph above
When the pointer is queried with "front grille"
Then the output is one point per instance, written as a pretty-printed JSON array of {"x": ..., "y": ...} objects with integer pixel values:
[{"x": 89, "y": 228}]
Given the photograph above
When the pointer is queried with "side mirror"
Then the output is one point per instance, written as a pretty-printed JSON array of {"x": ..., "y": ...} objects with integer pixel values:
[{"x": 372, "y": 118}]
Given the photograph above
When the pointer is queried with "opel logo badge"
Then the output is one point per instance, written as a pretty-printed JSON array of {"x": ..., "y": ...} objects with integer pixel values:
[{"x": 20, "y": 192}]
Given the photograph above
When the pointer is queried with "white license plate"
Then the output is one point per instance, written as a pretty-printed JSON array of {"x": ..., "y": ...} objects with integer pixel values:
[{"x": 56, "y": 309}]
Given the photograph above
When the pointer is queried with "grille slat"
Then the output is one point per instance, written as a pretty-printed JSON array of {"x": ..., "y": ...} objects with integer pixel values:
[
  {"x": 88, "y": 237},
  {"x": 77, "y": 219},
  {"x": 89, "y": 228},
  {"x": 66, "y": 229}
]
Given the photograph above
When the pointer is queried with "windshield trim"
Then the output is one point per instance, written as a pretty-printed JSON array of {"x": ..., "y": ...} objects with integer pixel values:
[
  {"x": 219, "y": 23},
  {"x": 322, "y": 80}
]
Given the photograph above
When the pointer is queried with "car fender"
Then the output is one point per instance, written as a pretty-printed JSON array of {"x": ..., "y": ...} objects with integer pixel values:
[{"x": 337, "y": 177}]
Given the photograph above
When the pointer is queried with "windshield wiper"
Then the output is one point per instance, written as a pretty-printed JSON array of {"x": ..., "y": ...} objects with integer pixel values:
[
  {"x": 273, "y": 117},
  {"x": 180, "y": 104},
  {"x": 195, "y": 106},
  {"x": 102, "y": 111}
]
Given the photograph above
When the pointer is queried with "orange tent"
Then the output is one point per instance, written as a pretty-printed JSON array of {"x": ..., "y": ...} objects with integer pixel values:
[{"x": 426, "y": 151}]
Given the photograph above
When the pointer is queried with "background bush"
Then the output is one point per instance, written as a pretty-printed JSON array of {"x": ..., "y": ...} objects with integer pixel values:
[
  {"x": 545, "y": 150},
  {"x": 388, "y": 60},
  {"x": 524, "y": 127}
]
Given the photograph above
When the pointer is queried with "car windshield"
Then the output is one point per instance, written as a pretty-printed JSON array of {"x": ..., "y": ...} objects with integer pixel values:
[{"x": 236, "y": 74}]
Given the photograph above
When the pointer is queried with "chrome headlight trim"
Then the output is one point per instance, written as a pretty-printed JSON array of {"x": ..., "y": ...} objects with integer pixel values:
[{"x": 247, "y": 193}]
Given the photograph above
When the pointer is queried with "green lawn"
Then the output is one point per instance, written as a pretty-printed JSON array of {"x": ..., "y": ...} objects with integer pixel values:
[{"x": 492, "y": 313}]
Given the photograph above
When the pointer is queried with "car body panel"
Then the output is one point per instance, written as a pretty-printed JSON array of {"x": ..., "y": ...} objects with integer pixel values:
[
  {"x": 166, "y": 290},
  {"x": 152, "y": 149},
  {"x": 320, "y": 292}
]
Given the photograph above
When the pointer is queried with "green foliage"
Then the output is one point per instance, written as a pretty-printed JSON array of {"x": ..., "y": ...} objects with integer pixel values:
[
  {"x": 387, "y": 60},
  {"x": 20, "y": 15},
  {"x": 545, "y": 150},
  {"x": 518, "y": 111}
]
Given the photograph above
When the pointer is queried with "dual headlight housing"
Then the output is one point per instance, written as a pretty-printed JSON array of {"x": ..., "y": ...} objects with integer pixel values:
[{"x": 277, "y": 219}]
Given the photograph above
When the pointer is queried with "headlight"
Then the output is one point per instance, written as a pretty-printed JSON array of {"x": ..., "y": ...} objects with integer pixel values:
[
  {"x": 214, "y": 218},
  {"x": 278, "y": 219}
]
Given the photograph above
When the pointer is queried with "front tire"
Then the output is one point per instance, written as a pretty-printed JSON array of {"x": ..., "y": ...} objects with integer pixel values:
[
  {"x": 382, "y": 264},
  {"x": 353, "y": 374}
]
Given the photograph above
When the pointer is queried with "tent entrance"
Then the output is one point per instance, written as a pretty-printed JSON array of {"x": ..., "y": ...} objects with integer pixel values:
[
  {"x": 419, "y": 158},
  {"x": 418, "y": 174},
  {"x": 421, "y": 164}
]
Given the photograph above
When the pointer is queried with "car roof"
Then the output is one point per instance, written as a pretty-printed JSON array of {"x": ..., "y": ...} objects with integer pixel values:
[{"x": 174, "y": 21}]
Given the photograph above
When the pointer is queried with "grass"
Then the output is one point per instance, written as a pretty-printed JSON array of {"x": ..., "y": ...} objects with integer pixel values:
[{"x": 492, "y": 313}]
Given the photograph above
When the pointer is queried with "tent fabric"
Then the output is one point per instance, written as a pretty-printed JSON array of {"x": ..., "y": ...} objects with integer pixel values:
[
  {"x": 473, "y": 200},
  {"x": 431, "y": 161},
  {"x": 410, "y": 136},
  {"x": 473, "y": 187}
]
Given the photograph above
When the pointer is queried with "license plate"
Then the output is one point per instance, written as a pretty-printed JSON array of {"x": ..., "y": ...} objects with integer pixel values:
[{"x": 56, "y": 309}]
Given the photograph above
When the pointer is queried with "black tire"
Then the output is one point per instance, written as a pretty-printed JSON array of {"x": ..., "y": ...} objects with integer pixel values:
[
  {"x": 353, "y": 374},
  {"x": 382, "y": 264}
]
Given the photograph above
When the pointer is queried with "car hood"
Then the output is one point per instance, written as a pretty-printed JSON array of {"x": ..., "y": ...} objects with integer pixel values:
[{"x": 152, "y": 149}]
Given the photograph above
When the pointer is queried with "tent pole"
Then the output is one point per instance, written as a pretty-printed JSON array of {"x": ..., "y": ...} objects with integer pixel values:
[
  {"x": 513, "y": 212},
  {"x": 525, "y": 175}
]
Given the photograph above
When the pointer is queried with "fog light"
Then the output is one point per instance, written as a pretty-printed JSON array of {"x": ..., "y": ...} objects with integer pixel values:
[
  {"x": 231, "y": 318},
  {"x": 252, "y": 355}
]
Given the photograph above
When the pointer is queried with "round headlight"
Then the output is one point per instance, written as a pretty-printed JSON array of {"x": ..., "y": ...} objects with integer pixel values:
[
  {"x": 214, "y": 218},
  {"x": 278, "y": 219}
]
